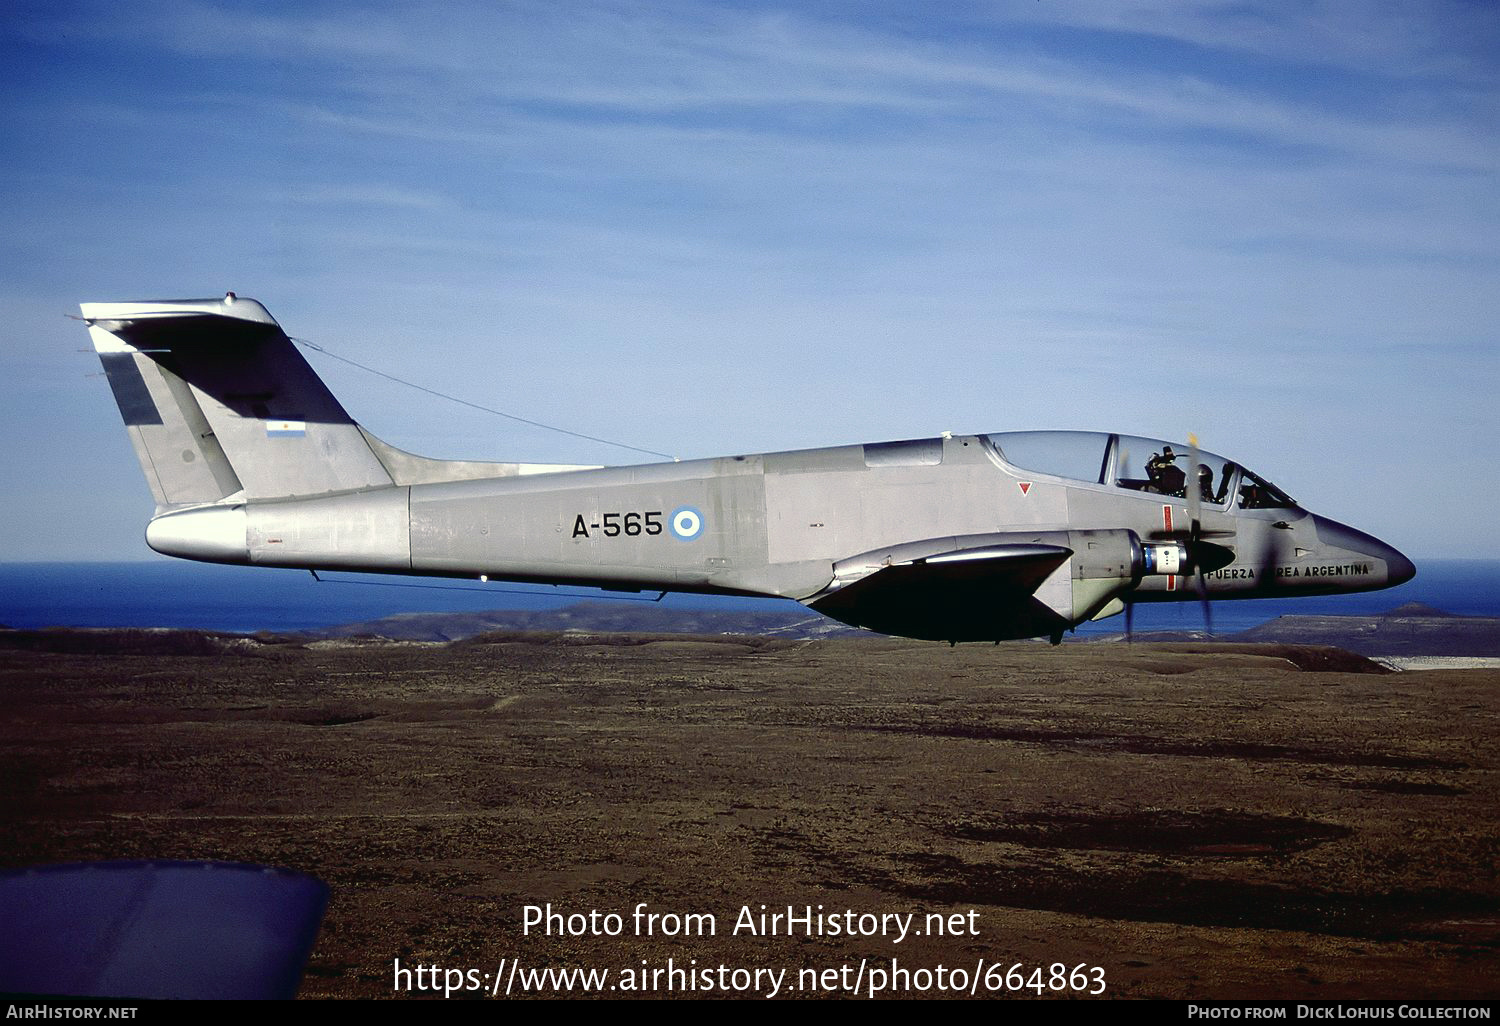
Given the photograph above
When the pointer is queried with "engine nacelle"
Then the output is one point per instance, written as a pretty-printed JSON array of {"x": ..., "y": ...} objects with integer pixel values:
[{"x": 1164, "y": 560}]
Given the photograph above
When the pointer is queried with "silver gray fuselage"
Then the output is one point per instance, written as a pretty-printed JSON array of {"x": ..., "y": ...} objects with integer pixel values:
[
  {"x": 252, "y": 460},
  {"x": 773, "y": 524}
]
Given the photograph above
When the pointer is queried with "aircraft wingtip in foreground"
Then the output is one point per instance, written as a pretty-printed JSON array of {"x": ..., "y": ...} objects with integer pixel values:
[{"x": 252, "y": 461}]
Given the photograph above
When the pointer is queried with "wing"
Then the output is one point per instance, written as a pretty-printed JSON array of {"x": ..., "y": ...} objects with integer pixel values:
[{"x": 948, "y": 590}]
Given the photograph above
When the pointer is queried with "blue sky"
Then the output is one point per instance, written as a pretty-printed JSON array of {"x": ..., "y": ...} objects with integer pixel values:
[{"x": 715, "y": 228}]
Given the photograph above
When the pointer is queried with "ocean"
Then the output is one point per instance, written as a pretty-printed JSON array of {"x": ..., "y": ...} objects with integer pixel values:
[{"x": 174, "y": 593}]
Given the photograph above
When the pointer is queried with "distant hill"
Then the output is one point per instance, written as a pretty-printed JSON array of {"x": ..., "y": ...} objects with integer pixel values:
[
  {"x": 594, "y": 617},
  {"x": 1412, "y": 629},
  {"x": 1409, "y": 630}
]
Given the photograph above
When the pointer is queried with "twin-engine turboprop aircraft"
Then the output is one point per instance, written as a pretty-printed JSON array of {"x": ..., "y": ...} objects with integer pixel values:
[{"x": 960, "y": 538}]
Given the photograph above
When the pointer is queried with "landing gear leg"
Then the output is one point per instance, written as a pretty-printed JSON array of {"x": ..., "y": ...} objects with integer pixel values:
[{"x": 1057, "y": 637}]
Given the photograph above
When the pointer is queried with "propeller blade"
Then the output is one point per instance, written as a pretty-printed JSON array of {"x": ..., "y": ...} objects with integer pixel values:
[
  {"x": 1201, "y": 584},
  {"x": 1182, "y": 536},
  {"x": 1201, "y": 553},
  {"x": 1265, "y": 564},
  {"x": 1194, "y": 490}
]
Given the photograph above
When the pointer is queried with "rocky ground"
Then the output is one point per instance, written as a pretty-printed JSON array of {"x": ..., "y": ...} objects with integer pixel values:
[{"x": 1245, "y": 821}]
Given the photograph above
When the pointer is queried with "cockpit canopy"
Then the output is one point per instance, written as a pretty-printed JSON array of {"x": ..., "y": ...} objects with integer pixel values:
[{"x": 1138, "y": 464}]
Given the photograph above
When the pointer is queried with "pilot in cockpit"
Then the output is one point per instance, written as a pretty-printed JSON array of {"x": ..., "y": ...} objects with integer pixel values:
[
  {"x": 1165, "y": 476},
  {"x": 1206, "y": 483}
]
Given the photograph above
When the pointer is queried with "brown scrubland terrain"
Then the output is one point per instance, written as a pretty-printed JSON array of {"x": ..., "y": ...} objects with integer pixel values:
[{"x": 1223, "y": 821}]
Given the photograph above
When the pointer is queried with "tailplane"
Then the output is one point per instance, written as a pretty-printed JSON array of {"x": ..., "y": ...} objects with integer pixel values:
[
  {"x": 223, "y": 409},
  {"x": 220, "y": 405}
]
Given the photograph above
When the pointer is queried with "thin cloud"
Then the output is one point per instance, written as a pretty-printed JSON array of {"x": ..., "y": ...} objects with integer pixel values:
[
  {"x": 354, "y": 195},
  {"x": 1402, "y": 39},
  {"x": 756, "y": 70}
]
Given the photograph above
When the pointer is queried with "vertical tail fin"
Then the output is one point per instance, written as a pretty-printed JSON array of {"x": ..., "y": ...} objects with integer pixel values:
[{"x": 219, "y": 403}]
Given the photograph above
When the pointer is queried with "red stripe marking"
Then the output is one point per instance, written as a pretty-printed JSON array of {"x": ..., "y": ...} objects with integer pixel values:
[{"x": 1166, "y": 520}]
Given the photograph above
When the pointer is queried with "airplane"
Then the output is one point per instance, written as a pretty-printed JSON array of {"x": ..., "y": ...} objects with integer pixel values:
[{"x": 984, "y": 537}]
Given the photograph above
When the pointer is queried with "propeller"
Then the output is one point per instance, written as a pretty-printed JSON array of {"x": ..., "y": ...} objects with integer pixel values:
[
  {"x": 1266, "y": 558},
  {"x": 1201, "y": 585},
  {"x": 1122, "y": 462},
  {"x": 1195, "y": 532},
  {"x": 1203, "y": 557}
]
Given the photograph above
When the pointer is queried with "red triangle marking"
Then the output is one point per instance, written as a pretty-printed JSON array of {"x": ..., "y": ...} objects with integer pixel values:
[{"x": 1025, "y": 486}]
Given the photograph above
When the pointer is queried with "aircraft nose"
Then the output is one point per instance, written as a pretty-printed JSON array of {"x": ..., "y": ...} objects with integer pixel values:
[{"x": 1398, "y": 568}]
